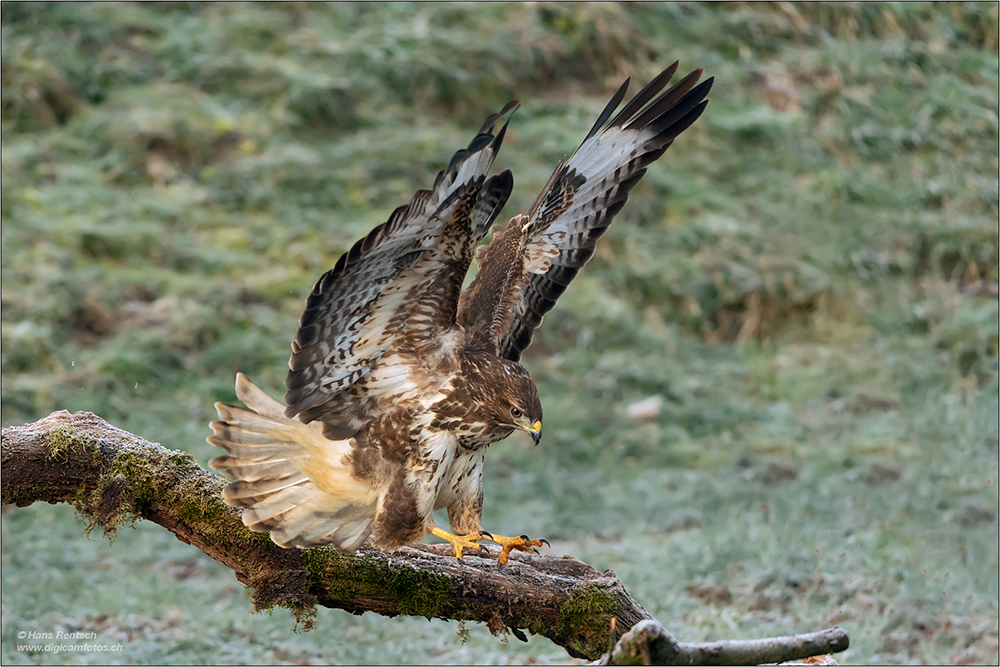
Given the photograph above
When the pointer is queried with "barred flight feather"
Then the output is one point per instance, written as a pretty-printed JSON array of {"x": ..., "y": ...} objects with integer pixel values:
[{"x": 398, "y": 380}]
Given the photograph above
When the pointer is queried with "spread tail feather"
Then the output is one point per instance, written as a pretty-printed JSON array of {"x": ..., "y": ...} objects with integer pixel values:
[{"x": 288, "y": 476}]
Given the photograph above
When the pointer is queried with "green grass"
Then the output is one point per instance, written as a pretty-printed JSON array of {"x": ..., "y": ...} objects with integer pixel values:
[{"x": 808, "y": 279}]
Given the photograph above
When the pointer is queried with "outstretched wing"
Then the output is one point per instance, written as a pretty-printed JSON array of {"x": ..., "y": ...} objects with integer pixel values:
[
  {"x": 537, "y": 256},
  {"x": 416, "y": 260}
]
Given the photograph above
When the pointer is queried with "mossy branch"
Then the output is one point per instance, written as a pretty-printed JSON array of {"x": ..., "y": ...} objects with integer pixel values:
[{"x": 113, "y": 477}]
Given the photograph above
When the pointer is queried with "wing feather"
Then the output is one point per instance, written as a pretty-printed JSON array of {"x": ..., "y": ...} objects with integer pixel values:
[
  {"x": 613, "y": 104},
  {"x": 358, "y": 307},
  {"x": 585, "y": 193}
]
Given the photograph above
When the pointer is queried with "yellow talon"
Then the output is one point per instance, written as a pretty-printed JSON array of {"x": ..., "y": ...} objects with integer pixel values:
[
  {"x": 460, "y": 542},
  {"x": 521, "y": 543}
]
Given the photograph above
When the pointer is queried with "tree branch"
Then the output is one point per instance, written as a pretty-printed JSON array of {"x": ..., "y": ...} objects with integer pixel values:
[
  {"x": 648, "y": 643},
  {"x": 113, "y": 477}
]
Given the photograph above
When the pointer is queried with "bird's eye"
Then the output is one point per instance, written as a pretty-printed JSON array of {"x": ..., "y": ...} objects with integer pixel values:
[{"x": 515, "y": 412}]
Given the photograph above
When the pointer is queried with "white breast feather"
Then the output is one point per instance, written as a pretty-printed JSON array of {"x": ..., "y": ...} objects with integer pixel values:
[{"x": 439, "y": 447}]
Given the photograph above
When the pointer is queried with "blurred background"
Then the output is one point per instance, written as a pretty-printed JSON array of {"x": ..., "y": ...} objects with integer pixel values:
[{"x": 770, "y": 399}]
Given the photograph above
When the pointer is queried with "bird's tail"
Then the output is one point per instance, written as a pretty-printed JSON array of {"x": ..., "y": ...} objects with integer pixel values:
[{"x": 289, "y": 477}]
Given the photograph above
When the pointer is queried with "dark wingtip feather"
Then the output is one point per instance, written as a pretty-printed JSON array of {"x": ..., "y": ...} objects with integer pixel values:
[
  {"x": 482, "y": 140},
  {"x": 649, "y": 91},
  {"x": 492, "y": 119},
  {"x": 479, "y": 143},
  {"x": 652, "y": 119},
  {"x": 610, "y": 108},
  {"x": 489, "y": 123},
  {"x": 504, "y": 181},
  {"x": 456, "y": 159},
  {"x": 667, "y": 100},
  {"x": 500, "y": 135},
  {"x": 510, "y": 106},
  {"x": 495, "y": 193},
  {"x": 678, "y": 125},
  {"x": 671, "y": 117}
]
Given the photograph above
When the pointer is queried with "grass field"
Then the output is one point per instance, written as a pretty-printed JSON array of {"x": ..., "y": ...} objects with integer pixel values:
[{"x": 808, "y": 279}]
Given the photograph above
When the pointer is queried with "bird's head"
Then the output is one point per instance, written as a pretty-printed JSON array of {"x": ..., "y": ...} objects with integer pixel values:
[{"x": 518, "y": 405}]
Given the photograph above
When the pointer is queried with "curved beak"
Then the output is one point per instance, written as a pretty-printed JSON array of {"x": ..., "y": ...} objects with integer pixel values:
[{"x": 535, "y": 430}]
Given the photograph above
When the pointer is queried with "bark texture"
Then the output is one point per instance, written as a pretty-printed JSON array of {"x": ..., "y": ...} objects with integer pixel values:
[
  {"x": 648, "y": 643},
  {"x": 113, "y": 477}
]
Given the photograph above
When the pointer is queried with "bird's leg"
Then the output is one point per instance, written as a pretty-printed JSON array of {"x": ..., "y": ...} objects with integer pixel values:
[
  {"x": 461, "y": 542},
  {"x": 521, "y": 543}
]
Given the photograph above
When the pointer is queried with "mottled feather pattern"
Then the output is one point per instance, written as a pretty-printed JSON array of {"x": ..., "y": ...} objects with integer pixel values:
[
  {"x": 398, "y": 380},
  {"x": 356, "y": 308},
  {"x": 487, "y": 308},
  {"x": 462, "y": 492},
  {"x": 496, "y": 191},
  {"x": 610, "y": 161}
]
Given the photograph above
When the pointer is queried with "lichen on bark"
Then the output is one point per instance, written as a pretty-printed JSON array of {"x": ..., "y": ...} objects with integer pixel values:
[{"x": 114, "y": 478}]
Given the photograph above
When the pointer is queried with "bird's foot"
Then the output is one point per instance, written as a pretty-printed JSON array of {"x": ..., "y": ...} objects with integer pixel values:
[
  {"x": 461, "y": 542},
  {"x": 521, "y": 543}
]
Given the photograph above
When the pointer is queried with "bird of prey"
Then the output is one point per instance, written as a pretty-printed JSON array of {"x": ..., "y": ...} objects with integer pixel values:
[{"x": 398, "y": 379}]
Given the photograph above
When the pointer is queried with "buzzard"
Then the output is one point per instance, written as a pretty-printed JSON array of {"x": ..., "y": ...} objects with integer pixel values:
[{"x": 398, "y": 379}]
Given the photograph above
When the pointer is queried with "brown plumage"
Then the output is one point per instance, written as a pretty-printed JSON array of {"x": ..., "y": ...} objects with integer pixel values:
[{"x": 398, "y": 380}]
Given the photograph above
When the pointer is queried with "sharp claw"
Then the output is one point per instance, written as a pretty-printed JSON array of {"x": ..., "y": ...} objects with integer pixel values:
[
  {"x": 536, "y": 551},
  {"x": 546, "y": 542},
  {"x": 526, "y": 538},
  {"x": 489, "y": 535}
]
